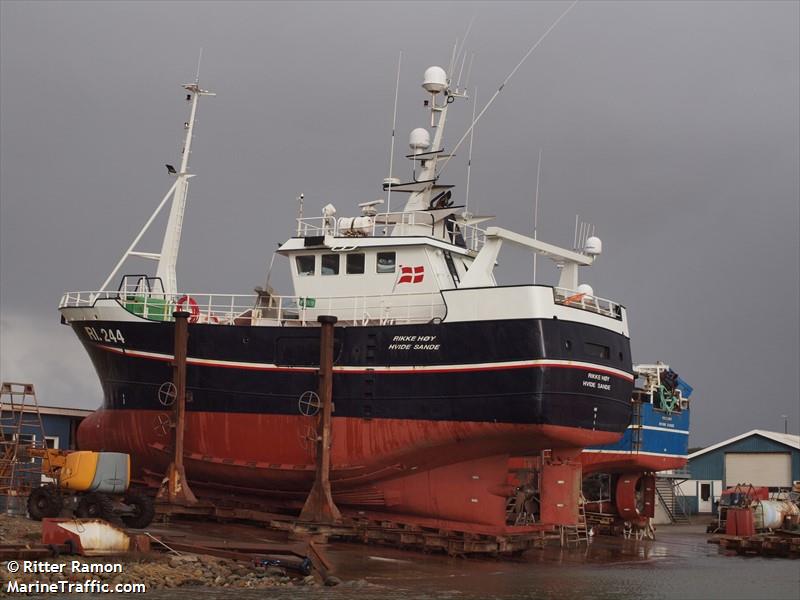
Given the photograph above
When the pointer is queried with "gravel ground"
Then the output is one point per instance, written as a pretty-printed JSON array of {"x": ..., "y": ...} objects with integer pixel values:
[{"x": 155, "y": 569}]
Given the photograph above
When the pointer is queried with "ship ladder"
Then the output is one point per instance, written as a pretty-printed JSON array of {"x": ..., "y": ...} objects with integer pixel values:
[{"x": 575, "y": 535}]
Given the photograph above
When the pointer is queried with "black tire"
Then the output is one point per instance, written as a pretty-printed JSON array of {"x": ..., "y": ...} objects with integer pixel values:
[
  {"x": 45, "y": 502},
  {"x": 143, "y": 511},
  {"x": 95, "y": 506}
]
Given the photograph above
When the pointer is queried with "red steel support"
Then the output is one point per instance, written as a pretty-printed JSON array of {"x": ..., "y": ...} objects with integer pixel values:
[
  {"x": 319, "y": 506},
  {"x": 561, "y": 487}
]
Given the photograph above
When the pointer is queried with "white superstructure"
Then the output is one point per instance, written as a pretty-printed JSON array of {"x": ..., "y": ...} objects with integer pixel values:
[{"x": 430, "y": 261}]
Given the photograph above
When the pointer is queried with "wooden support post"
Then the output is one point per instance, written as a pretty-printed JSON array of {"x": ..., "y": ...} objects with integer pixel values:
[
  {"x": 319, "y": 506},
  {"x": 176, "y": 488}
]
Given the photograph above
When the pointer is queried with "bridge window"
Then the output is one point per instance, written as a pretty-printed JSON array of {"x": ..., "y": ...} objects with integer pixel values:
[
  {"x": 305, "y": 265},
  {"x": 355, "y": 264},
  {"x": 386, "y": 262},
  {"x": 330, "y": 264}
]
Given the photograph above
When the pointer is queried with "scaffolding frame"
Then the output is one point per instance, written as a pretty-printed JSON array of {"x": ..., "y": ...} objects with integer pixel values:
[{"x": 21, "y": 432}]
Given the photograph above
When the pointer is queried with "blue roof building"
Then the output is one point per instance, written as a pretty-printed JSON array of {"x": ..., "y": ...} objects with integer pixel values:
[{"x": 758, "y": 457}]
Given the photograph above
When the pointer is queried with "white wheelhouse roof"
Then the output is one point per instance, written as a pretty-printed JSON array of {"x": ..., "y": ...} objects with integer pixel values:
[{"x": 343, "y": 244}]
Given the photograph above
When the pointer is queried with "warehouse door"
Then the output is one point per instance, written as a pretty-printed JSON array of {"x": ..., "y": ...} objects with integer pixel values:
[{"x": 770, "y": 469}]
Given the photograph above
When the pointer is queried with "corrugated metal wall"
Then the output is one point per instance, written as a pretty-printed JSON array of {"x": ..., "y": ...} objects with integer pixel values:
[
  {"x": 712, "y": 464},
  {"x": 59, "y": 426}
]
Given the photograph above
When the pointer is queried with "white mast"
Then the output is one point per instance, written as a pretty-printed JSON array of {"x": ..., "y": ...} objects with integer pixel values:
[
  {"x": 536, "y": 211},
  {"x": 436, "y": 81},
  {"x": 168, "y": 256},
  {"x": 172, "y": 236}
]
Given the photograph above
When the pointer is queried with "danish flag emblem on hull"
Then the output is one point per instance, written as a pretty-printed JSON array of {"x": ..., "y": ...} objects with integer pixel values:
[{"x": 411, "y": 274}]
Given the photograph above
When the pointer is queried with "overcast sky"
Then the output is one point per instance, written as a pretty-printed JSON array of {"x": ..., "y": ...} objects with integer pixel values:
[{"x": 673, "y": 127}]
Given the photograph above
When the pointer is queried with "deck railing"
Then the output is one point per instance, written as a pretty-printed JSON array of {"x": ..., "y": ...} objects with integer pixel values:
[
  {"x": 265, "y": 309},
  {"x": 584, "y": 301},
  {"x": 406, "y": 223}
]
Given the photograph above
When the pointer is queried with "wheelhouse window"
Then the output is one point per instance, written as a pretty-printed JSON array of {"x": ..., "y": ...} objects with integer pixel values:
[
  {"x": 305, "y": 265},
  {"x": 355, "y": 264},
  {"x": 330, "y": 264},
  {"x": 596, "y": 350},
  {"x": 386, "y": 262}
]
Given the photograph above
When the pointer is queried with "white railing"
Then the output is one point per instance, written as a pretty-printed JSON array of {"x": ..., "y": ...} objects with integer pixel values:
[
  {"x": 231, "y": 309},
  {"x": 406, "y": 223},
  {"x": 363, "y": 226},
  {"x": 583, "y": 301}
]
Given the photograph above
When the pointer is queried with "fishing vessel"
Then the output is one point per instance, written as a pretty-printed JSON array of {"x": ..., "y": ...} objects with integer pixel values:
[{"x": 440, "y": 374}]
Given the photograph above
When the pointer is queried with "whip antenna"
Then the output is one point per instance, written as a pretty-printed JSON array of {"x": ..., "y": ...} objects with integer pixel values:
[
  {"x": 452, "y": 58},
  {"x": 199, "y": 59},
  {"x": 469, "y": 158},
  {"x": 394, "y": 124},
  {"x": 464, "y": 49},
  {"x": 536, "y": 211},
  {"x": 506, "y": 80},
  {"x": 469, "y": 72}
]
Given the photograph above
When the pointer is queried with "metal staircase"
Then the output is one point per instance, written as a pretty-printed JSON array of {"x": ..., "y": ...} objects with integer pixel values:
[{"x": 672, "y": 500}]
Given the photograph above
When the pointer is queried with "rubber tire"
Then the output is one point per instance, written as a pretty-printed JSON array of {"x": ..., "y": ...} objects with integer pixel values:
[
  {"x": 95, "y": 506},
  {"x": 45, "y": 502},
  {"x": 144, "y": 511}
]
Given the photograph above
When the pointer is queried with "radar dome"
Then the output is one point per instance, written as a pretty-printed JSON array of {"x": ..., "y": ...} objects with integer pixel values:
[
  {"x": 435, "y": 80},
  {"x": 419, "y": 139},
  {"x": 594, "y": 246},
  {"x": 585, "y": 289}
]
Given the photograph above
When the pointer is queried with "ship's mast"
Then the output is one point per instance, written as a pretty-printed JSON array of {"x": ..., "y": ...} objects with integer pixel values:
[
  {"x": 168, "y": 256},
  {"x": 435, "y": 82},
  {"x": 172, "y": 236}
]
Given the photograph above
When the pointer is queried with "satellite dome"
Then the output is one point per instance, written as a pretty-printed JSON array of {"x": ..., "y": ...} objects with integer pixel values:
[
  {"x": 593, "y": 246},
  {"x": 585, "y": 289},
  {"x": 435, "y": 80},
  {"x": 419, "y": 139}
]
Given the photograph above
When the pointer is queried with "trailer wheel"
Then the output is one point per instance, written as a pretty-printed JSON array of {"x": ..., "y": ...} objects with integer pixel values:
[
  {"x": 143, "y": 511},
  {"x": 94, "y": 506},
  {"x": 45, "y": 502}
]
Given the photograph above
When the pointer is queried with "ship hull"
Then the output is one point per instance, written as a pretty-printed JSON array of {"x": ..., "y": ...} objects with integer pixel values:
[{"x": 420, "y": 410}]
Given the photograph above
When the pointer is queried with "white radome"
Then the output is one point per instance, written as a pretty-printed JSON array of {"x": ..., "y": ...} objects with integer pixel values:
[
  {"x": 419, "y": 139},
  {"x": 435, "y": 80},
  {"x": 585, "y": 289},
  {"x": 594, "y": 246}
]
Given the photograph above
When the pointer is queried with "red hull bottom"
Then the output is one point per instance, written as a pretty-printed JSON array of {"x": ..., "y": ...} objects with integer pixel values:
[
  {"x": 447, "y": 470},
  {"x": 608, "y": 462}
]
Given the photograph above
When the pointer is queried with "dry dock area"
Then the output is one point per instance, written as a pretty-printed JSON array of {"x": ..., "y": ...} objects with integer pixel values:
[{"x": 679, "y": 564}]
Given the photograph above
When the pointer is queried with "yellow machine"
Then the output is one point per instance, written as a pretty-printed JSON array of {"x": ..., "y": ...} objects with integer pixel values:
[{"x": 97, "y": 483}]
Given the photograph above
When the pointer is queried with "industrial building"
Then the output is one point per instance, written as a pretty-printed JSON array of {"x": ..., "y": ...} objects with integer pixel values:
[
  {"x": 59, "y": 424},
  {"x": 758, "y": 457}
]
